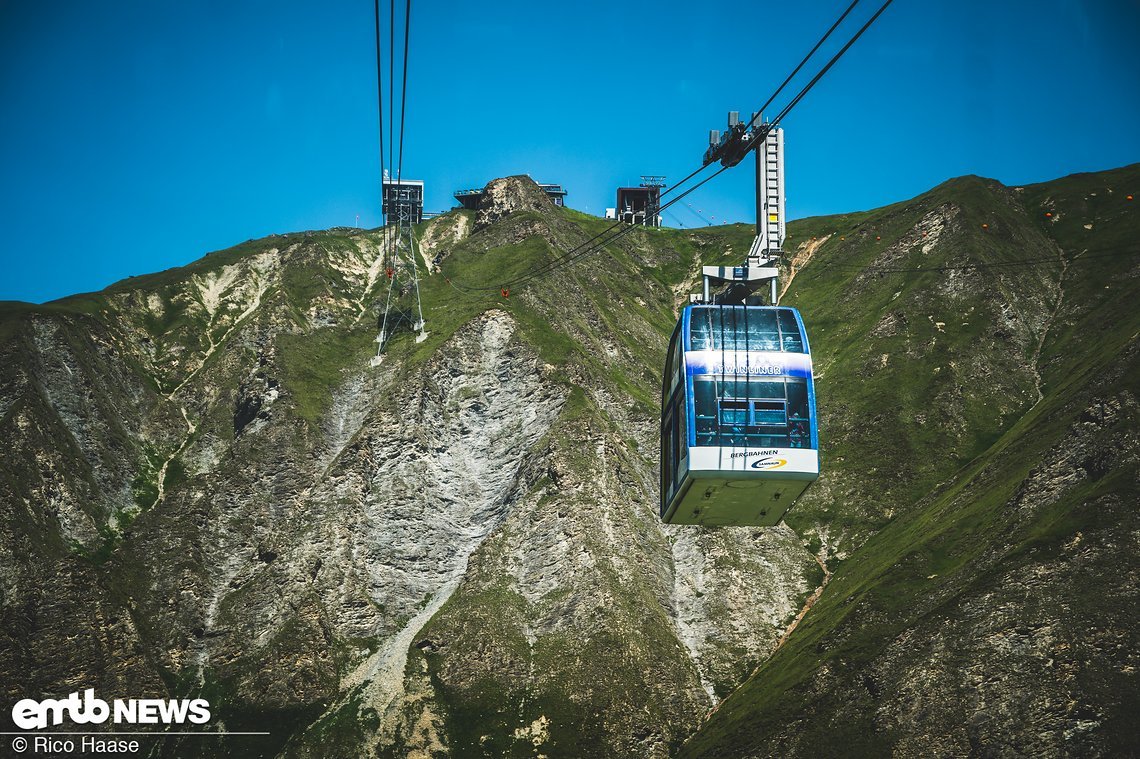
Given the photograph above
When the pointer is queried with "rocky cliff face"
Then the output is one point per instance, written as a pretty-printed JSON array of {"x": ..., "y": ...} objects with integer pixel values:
[
  {"x": 502, "y": 197},
  {"x": 208, "y": 492}
]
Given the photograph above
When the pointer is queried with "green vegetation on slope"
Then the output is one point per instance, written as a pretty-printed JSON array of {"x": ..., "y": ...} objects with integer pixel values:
[
  {"x": 977, "y": 424},
  {"x": 1061, "y": 472}
]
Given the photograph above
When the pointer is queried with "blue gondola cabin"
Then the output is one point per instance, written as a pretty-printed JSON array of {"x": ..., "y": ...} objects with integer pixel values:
[{"x": 739, "y": 442}]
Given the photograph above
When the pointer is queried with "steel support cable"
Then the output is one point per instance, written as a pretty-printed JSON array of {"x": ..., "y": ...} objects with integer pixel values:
[
  {"x": 400, "y": 168},
  {"x": 698, "y": 214},
  {"x": 568, "y": 255},
  {"x": 403, "y": 107},
  {"x": 748, "y": 372},
  {"x": 577, "y": 247},
  {"x": 568, "y": 259},
  {"x": 415, "y": 275},
  {"x": 563, "y": 256},
  {"x": 391, "y": 79},
  {"x": 380, "y": 106},
  {"x": 561, "y": 261},
  {"x": 686, "y": 179},
  {"x": 392, "y": 247},
  {"x": 831, "y": 63},
  {"x": 768, "y": 102},
  {"x": 723, "y": 389},
  {"x": 386, "y": 251},
  {"x": 784, "y": 84},
  {"x": 1019, "y": 263},
  {"x": 827, "y": 67},
  {"x": 404, "y": 87},
  {"x": 788, "y": 108},
  {"x": 626, "y": 229},
  {"x": 393, "y": 237},
  {"x": 383, "y": 247},
  {"x": 384, "y": 325},
  {"x": 578, "y": 253}
]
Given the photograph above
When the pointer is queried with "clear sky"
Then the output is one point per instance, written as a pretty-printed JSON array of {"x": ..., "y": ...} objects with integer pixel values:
[{"x": 137, "y": 135}]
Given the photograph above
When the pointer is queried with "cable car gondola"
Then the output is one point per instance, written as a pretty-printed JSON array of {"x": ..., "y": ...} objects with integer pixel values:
[{"x": 739, "y": 442}]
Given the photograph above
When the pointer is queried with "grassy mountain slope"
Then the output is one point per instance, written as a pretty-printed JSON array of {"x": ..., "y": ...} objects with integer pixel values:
[
  {"x": 279, "y": 528},
  {"x": 998, "y": 607},
  {"x": 458, "y": 553}
]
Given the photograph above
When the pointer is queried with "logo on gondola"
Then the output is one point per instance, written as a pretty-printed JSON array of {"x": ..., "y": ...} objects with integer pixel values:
[
  {"x": 748, "y": 363},
  {"x": 746, "y": 369},
  {"x": 750, "y": 454},
  {"x": 771, "y": 462}
]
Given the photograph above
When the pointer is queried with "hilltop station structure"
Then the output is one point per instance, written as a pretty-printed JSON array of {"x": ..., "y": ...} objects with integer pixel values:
[
  {"x": 638, "y": 205},
  {"x": 403, "y": 200}
]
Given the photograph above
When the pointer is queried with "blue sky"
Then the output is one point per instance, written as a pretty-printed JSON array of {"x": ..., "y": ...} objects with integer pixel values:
[{"x": 136, "y": 136}]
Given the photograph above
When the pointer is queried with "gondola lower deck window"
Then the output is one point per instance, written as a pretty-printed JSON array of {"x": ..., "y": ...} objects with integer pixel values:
[{"x": 751, "y": 412}]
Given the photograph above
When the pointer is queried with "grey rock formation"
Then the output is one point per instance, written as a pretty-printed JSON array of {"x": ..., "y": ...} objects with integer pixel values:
[{"x": 502, "y": 197}]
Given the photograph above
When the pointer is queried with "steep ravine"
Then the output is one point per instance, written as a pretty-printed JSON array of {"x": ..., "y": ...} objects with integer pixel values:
[{"x": 423, "y": 484}]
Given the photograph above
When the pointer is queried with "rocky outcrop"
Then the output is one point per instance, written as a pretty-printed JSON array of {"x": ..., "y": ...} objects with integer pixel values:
[
  {"x": 440, "y": 235},
  {"x": 502, "y": 197}
]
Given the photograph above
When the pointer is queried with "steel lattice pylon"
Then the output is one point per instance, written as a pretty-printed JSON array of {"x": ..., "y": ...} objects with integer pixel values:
[{"x": 399, "y": 253}]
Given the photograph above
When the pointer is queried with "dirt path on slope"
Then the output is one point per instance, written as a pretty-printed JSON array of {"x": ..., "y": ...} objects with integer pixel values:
[
  {"x": 800, "y": 259},
  {"x": 807, "y": 605}
]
